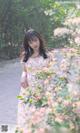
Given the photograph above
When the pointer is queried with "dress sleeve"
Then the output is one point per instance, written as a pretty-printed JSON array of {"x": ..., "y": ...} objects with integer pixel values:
[{"x": 24, "y": 72}]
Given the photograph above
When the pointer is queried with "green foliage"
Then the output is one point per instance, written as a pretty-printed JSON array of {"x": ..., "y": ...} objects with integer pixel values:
[
  {"x": 42, "y": 15},
  {"x": 44, "y": 75}
]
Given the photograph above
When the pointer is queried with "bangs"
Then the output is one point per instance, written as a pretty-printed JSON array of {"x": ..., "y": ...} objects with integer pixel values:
[{"x": 31, "y": 36}]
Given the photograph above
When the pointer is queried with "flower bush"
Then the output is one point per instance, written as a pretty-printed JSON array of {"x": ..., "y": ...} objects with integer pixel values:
[
  {"x": 54, "y": 94},
  {"x": 68, "y": 35}
]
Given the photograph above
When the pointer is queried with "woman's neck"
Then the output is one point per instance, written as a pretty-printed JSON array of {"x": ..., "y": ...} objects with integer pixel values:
[{"x": 35, "y": 54}]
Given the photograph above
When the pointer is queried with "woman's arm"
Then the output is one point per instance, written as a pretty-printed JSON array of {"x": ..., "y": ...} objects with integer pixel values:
[{"x": 24, "y": 82}]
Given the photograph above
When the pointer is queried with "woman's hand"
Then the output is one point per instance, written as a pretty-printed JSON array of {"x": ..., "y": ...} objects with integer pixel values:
[{"x": 24, "y": 84}]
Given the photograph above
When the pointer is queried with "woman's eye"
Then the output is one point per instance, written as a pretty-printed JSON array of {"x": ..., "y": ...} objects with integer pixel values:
[
  {"x": 35, "y": 40},
  {"x": 30, "y": 42}
]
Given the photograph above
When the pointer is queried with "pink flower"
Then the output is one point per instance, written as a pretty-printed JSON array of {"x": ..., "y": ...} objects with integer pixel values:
[
  {"x": 42, "y": 110},
  {"x": 41, "y": 130},
  {"x": 26, "y": 130},
  {"x": 36, "y": 120},
  {"x": 37, "y": 97},
  {"x": 67, "y": 103},
  {"x": 38, "y": 116}
]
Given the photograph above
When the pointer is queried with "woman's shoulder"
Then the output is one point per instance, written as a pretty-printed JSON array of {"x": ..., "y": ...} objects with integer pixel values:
[
  {"x": 23, "y": 64},
  {"x": 50, "y": 54}
]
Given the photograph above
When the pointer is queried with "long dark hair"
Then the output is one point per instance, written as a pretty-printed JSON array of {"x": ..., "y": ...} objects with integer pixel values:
[{"x": 28, "y": 51}]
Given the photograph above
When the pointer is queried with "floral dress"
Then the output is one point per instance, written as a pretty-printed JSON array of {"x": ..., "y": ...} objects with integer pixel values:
[
  {"x": 49, "y": 100},
  {"x": 31, "y": 117}
]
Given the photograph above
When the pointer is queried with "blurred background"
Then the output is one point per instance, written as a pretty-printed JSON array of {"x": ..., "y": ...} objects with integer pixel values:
[{"x": 57, "y": 20}]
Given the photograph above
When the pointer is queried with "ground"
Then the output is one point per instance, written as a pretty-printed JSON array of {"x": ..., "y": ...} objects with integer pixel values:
[{"x": 10, "y": 72}]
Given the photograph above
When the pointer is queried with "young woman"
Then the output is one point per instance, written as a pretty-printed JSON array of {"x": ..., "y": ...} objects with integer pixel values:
[
  {"x": 35, "y": 57},
  {"x": 33, "y": 47}
]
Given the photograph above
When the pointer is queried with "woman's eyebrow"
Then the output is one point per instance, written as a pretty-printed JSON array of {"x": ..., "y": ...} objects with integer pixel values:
[{"x": 33, "y": 39}]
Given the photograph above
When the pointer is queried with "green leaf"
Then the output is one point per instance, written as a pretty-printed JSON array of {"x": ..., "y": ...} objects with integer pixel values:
[{"x": 20, "y": 97}]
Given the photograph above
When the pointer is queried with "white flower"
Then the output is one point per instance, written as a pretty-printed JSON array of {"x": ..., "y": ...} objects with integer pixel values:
[
  {"x": 78, "y": 31},
  {"x": 48, "y": 12},
  {"x": 70, "y": 87},
  {"x": 61, "y": 31},
  {"x": 72, "y": 21},
  {"x": 77, "y": 40}
]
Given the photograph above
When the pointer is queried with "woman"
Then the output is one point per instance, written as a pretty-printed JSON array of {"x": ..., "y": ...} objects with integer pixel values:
[
  {"x": 33, "y": 47},
  {"x": 35, "y": 58}
]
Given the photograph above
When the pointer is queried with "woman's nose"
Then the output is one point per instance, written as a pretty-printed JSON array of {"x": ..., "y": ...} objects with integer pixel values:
[{"x": 35, "y": 45}]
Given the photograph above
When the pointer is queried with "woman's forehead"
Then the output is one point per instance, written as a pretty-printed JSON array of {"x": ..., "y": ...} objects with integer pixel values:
[{"x": 33, "y": 38}]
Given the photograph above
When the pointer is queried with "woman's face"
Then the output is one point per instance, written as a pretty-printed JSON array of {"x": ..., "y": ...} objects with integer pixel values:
[{"x": 34, "y": 44}]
